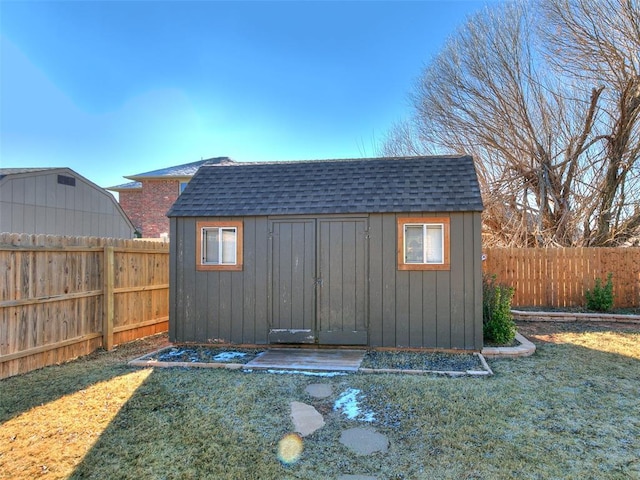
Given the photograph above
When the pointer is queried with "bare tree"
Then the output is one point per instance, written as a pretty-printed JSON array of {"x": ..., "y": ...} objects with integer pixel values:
[
  {"x": 598, "y": 43},
  {"x": 552, "y": 124}
]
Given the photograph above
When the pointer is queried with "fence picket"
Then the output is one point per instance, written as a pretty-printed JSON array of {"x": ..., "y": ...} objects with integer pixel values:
[{"x": 559, "y": 277}]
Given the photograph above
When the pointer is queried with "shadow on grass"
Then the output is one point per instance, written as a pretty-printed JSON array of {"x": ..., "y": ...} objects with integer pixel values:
[{"x": 21, "y": 393}]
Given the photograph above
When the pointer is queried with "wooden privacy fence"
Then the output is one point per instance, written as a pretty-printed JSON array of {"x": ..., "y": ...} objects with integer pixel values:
[
  {"x": 62, "y": 297},
  {"x": 559, "y": 277}
]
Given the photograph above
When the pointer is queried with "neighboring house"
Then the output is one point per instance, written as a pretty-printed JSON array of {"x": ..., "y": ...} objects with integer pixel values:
[
  {"x": 149, "y": 196},
  {"x": 380, "y": 252},
  {"x": 58, "y": 201}
]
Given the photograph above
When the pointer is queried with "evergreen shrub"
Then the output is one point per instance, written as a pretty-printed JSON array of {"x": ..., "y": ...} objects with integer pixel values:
[
  {"x": 600, "y": 298},
  {"x": 497, "y": 320}
]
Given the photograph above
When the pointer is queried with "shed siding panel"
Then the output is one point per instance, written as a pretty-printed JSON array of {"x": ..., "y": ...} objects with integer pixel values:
[
  {"x": 175, "y": 282},
  {"x": 375, "y": 280},
  {"x": 477, "y": 274},
  {"x": 443, "y": 310},
  {"x": 456, "y": 303},
  {"x": 190, "y": 307},
  {"x": 249, "y": 279},
  {"x": 402, "y": 308},
  {"x": 261, "y": 316},
  {"x": 416, "y": 311},
  {"x": 471, "y": 262},
  {"x": 201, "y": 312},
  {"x": 429, "y": 304},
  {"x": 389, "y": 256},
  {"x": 237, "y": 306},
  {"x": 224, "y": 302}
]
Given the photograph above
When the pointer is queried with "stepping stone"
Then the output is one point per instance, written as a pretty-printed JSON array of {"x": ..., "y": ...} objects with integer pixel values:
[
  {"x": 356, "y": 477},
  {"x": 364, "y": 441},
  {"x": 319, "y": 390},
  {"x": 306, "y": 419}
]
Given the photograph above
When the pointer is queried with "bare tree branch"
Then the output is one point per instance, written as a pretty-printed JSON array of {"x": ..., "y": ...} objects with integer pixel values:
[{"x": 546, "y": 97}]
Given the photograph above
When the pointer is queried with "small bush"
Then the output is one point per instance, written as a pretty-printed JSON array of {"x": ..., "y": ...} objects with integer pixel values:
[
  {"x": 600, "y": 298},
  {"x": 497, "y": 321}
]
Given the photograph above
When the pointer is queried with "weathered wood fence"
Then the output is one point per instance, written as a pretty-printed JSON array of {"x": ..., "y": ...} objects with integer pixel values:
[
  {"x": 558, "y": 277},
  {"x": 62, "y": 297}
]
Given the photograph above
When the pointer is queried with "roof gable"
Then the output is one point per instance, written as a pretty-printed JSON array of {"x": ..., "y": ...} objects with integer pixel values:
[
  {"x": 375, "y": 185},
  {"x": 6, "y": 172}
]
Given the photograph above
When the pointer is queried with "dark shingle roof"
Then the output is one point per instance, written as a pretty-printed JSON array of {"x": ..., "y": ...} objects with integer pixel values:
[
  {"x": 375, "y": 185},
  {"x": 184, "y": 170}
]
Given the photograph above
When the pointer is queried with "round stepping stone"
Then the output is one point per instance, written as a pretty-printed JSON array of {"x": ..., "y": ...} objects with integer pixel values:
[
  {"x": 364, "y": 441},
  {"x": 319, "y": 390},
  {"x": 306, "y": 419}
]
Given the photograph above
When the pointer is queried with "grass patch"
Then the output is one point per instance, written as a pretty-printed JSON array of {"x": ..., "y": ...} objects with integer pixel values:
[{"x": 569, "y": 411}]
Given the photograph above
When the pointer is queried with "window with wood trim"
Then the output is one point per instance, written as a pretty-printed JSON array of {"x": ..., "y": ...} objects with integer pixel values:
[
  {"x": 423, "y": 243},
  {"x": 219, "y": 245}
]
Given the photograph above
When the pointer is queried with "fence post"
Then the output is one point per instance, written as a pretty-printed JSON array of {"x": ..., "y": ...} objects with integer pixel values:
[{"x": 108, "y": 309}]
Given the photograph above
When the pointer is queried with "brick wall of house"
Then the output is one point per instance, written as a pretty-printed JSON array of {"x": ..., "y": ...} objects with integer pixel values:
[
  {"x": 157, "y": 198},
  {"x": 131, "y": 203}
]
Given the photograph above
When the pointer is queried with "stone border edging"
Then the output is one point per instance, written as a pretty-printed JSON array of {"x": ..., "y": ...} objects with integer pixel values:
[
  {"x": 525, "y": 349},
  {"x": 140, "y": 362},
  {"x": 535, "y": 316}
]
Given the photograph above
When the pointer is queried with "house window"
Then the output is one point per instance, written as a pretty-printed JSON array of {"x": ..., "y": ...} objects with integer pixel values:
[
  {"x": 219, "y": 245},
  {"x": 183, "y": 185},
  {"x": 423, "y": 243}
]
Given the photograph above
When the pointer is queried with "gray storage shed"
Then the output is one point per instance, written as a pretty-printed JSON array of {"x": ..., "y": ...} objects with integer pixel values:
[
  {"x": 58, "y": 201},
  {"x": 379, "y": 252}
]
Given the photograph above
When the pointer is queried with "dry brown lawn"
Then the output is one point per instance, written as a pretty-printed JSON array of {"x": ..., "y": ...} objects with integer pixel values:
[{"x": 569, "y": 411}]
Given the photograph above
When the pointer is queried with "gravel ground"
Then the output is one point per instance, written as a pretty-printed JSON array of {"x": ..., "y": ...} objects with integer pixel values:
[
  {"x": 400, "y": 360},
  {"x": 205, "y": 355},
  {"x": 439, "y": 362}
]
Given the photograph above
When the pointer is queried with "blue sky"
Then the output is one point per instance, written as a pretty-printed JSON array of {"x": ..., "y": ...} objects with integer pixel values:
[{"x": 122, "y": 87}]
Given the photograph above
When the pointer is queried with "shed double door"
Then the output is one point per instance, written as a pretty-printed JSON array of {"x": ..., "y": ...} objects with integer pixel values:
[{"x": 318, "y": 281}]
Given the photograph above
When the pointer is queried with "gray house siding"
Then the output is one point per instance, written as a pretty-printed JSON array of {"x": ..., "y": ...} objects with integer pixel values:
[
  {"x": 58, "y": 202},
  {"x": 335, "y": 275}
]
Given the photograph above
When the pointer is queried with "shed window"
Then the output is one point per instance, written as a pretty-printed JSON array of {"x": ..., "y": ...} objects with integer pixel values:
[
  {"x": 423, "y": 243},
  {"x": 219, "y": 245}
]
